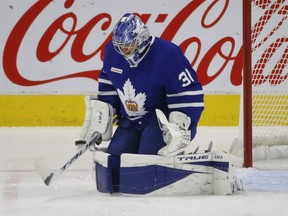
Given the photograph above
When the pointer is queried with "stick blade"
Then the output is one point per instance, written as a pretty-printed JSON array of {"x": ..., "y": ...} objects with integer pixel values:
[{"x": 43, "y": 170}]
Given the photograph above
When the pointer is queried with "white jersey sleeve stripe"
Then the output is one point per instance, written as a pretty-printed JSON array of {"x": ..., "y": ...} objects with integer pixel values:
[
  {"x": 107, "y": 93},
  {"x": 199, "y": 92},
  {"x": 100, "y": 80},
  {"x": 182, "y": 105}
]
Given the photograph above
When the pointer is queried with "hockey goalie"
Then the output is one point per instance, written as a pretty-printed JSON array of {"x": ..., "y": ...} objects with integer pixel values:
[{"x": 150, "y": 86}]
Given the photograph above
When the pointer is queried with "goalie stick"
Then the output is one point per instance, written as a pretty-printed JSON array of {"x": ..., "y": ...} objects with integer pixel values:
[{"x": 44, "y": 171}]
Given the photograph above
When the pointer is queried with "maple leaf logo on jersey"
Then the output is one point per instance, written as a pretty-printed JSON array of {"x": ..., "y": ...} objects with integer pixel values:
[{"x": 133, "y": 103}]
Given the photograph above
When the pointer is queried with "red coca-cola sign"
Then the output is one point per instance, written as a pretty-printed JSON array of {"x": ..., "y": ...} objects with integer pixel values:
[{"x": 222, "y": 55}]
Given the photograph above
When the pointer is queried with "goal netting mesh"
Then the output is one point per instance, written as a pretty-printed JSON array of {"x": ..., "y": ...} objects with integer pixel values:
[{"x": 269, "y": 57}]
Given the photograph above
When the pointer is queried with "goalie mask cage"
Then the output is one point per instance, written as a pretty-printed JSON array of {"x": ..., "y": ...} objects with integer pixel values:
[{"x": 264, "y": 113}]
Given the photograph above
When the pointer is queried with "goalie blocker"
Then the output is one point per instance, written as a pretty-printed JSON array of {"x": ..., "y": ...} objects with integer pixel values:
[{"x": 193, "y": 174}]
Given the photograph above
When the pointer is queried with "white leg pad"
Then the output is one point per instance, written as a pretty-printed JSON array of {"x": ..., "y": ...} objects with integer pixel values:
[
  {"x": 102, "y": 172},
  {"x": 193, "y": 174},
  {"x": 225, "y": 181}
]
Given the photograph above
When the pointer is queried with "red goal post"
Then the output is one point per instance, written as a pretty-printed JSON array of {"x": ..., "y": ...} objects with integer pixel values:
[
  {"x": 247, "y": 92},
  {"x": 264, "y": 112}
]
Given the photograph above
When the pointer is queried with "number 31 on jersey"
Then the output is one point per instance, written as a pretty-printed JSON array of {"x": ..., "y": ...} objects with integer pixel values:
[{"x": 186, "y": 78}]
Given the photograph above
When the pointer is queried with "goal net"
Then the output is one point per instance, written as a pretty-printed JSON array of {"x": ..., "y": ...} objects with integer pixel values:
[{"x": 266, "y": 55}]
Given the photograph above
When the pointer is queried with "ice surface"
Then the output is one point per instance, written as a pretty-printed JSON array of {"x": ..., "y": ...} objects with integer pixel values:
[{"x": 22, "y": 192}]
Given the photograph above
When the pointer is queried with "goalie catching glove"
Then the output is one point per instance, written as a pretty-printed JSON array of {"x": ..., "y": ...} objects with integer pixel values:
[
  {"x": 175, "y": 132},
  {"x": 98, "y": 118}
]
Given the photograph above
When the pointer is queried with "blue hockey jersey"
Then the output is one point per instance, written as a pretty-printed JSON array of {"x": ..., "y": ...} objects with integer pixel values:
[{"x": 163, "y": 79}]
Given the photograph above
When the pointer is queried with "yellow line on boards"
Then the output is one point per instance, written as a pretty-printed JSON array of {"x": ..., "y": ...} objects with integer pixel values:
[{"x": 69, "y": 110}]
